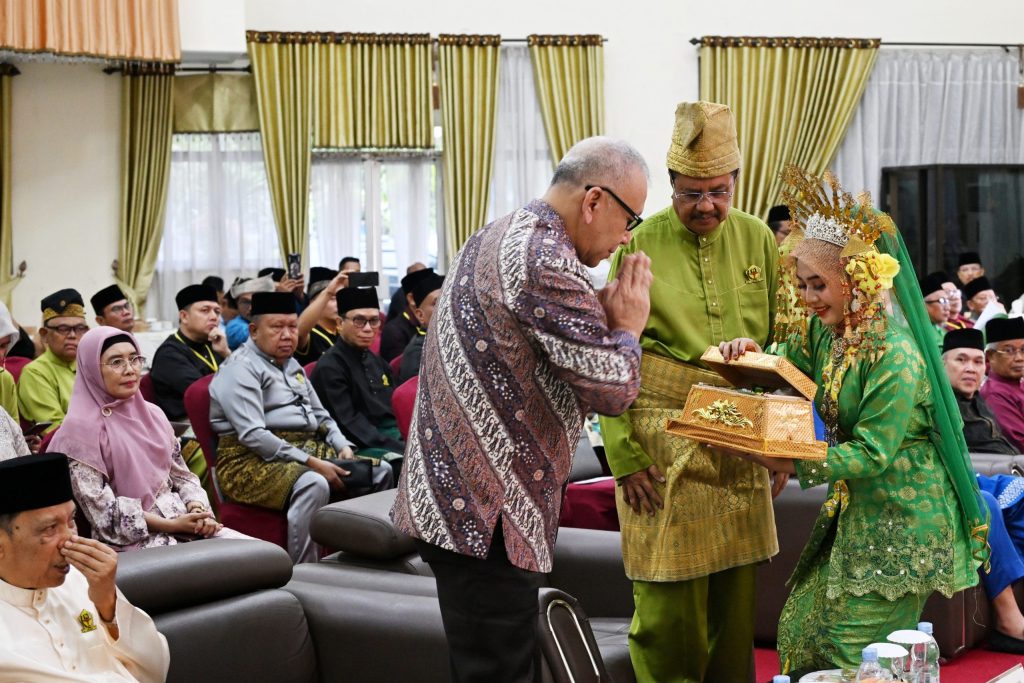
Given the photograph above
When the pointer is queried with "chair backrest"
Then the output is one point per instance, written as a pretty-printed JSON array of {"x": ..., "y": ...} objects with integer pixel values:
[
  {"x": 197, "y": 406},
  {"x": 146, "y": 388},
  {"x": 15, "y": 364},
  {"x": 308, "y": 367},
  {"x": 396, "y": 365},
  {"x": 403, "y": 399},
  {"x": 44, "y": 443}
]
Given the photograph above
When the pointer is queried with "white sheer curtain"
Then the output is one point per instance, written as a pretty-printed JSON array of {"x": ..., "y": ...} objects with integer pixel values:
[
  {"x": 522, "y": 157},
  {"x": 218, "y": 218},
  {"x": 924, "y": 107},
  {"x": 336, "y": 200},
  {"x": 409, "y": 213}
]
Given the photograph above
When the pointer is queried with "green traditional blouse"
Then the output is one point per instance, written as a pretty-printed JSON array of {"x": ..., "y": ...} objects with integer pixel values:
[{"x": 892, "y": 517}]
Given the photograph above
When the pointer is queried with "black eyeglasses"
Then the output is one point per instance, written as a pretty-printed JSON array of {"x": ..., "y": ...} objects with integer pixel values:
[{"x": 635, "y": 218}]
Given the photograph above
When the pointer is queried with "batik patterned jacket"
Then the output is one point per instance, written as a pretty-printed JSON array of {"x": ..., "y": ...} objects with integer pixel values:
[{"x": 518, "y": 351}]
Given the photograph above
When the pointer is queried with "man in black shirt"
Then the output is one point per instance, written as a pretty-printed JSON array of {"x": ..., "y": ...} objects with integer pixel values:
[
  {"x": 354, "y": 384},
  {"x": 318, "y": 324},
  {"x": 195, "y": 350},
  {"x": 399, "y": 331}
]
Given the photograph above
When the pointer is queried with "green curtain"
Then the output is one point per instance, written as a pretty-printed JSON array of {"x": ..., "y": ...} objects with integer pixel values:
[
  {"x": 374, "y": 90},
  {"x": 8, "y": 280},
  {"x": 569, "y": 71},
  {"x": 215, "y": 103},
  {"x": 147, "y": 115},
  {"x": 793, "y": 99},
  {"x": 284, "y": 67},
  {"x": 468, "y": 74}
]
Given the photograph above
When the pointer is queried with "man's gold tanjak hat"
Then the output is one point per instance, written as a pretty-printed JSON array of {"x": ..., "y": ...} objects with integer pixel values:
[{"x": 704, "y": 141}]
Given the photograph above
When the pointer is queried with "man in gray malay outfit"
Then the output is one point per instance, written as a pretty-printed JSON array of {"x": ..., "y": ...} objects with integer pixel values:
[{"x": 274, "y": 435}]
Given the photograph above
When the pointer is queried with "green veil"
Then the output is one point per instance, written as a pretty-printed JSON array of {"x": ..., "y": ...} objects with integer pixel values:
[{"x": 948, "y": 433}]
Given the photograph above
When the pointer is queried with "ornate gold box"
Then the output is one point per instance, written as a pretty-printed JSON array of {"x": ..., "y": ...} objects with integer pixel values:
[{"x": 763, "y": 423}]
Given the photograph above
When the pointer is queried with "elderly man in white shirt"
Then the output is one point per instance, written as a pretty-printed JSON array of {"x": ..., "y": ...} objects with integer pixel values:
[{"x": 62, "y": 618}]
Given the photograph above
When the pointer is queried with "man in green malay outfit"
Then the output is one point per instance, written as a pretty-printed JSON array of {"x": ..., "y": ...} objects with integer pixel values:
[
  {"x": 694, "y": 524},
  {"x": 44, "y": 388}
]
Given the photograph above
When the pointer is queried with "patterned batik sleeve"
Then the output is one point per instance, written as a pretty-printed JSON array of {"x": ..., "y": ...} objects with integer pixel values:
[
  {"x": 184, "y": 482},
  {"x": 560, "y": 311},
  {"x": 115, "y": 520},
  {"x": 883, "y": 416}
]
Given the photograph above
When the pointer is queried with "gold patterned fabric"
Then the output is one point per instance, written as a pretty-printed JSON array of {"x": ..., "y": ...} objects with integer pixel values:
[
  {"x": 718, "y": 510},
  {"x": 245, "y": 477},
  {"x": 215, "y": 103}
]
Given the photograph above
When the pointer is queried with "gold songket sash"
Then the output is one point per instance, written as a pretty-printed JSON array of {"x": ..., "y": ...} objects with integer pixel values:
[{"x": 718, "y": 509}]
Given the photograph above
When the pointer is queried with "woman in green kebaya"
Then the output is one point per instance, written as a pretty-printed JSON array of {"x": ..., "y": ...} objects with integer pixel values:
[{"x": 902, "y": 518}]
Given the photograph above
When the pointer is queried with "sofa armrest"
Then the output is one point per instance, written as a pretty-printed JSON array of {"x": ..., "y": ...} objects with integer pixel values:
[
  {"x": 997, "y": 463},
  {"x": 588, "y": 566}
]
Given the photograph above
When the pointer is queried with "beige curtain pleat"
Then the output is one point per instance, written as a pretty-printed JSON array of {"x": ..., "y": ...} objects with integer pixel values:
[
  {"x": 468, "y": 70},
  {"x": 8, "y": 280},
  {"x": 147, "y": 113},
  {"x": 215, "y": 103},
  {"x": 374, "y": 91},
  {"x": 569, "y": 72},
  {"x": 793, "y": 99},
  {"x": 136, "y": 30},
  {"x": 286, "y": 74}
]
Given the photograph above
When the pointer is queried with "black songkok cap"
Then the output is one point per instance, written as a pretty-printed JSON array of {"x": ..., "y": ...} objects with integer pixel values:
[
  {"x": 66, "y": 302},
  {"x": 193, "y": 294},
  {"x": 32, "y": 482},
  {"x": 213, "y": 281},
  {"x": 968, "y": 257},
  {"x": 275, "y": 274},
  {"x": 972, "y": 288},
  {"x": 351, "y": 298},
  {"x": 319, "y": 278},
  {"x": 105, "y": 297},
  {"x": 967, "y": 338},
  {"x": 410, "y": 280},
  {"x": 1004, "y": 329},
  {"x": 933, "y": 283},
  {"x": 425, "y": 286},
  {"x": 265, "y": 303},
  {"x": 778, "y": 213}
]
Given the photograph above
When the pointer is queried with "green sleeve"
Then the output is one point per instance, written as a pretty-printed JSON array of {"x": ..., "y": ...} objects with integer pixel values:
[
  {"x": 38, "y": 397},
  {"x": 9, "y": 395},
  {"x": 773, "y": 287},
  {"x": 883, "y": 416}
]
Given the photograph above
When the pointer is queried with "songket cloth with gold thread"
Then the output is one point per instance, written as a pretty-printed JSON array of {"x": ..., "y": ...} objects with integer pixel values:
[
  {"x": 706, "y": 289},
  {"x": 890, "y": 526},
  {"x": 718, "y": 510}
]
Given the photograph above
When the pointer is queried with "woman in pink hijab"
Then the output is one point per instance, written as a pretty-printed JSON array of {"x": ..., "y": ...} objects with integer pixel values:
[{"x": 126, "y": 467}]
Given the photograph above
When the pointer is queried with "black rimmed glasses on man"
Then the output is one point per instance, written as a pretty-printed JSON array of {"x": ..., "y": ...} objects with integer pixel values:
[{"x": 635, "y": 218}]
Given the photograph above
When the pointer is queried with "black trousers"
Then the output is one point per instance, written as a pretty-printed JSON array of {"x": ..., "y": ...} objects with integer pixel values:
[{"x": 489, "y": 609}]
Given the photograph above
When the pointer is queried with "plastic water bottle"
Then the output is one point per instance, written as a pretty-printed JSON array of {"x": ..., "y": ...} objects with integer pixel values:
[
  {"x": 870, "y": 669},
  {"x": 780, "y": 678},
  {"x": 925, "y": 656}
]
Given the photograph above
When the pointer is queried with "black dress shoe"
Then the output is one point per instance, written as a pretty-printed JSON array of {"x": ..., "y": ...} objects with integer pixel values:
[{"x": 1000, "y": 642}]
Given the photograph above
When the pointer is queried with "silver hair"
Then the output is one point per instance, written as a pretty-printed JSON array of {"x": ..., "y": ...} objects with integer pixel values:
[{"x": 599, "y": 160}]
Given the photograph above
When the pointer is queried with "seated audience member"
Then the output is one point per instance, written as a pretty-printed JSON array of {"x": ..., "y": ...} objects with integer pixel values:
[
  {"x": 1003, "y": 393},
  {"x": 318, "y": 324},
  {"x": 956, "y": 320},
  {"x": 113, "y": 308},
  {"x": 242, "y": 291},
  {"x": 398, "y": 302},
  {"x": 424, "y": 298},
  {"x": 283, "y": 283},
  {"x": 963, "y": 356},
  {"x": 349, "y": 264},
  {"x": 196, "y": 350},
  {"x": 44, "y": 388},
  {"x": 126, "y": 468},
  {"x": 936, "y": 303},
  {"x": 274, "y": 434},
  {"x": 229, "y": 311},
  {"x": 9, "y": 335},
  {"x": 978, "y": 293},
  {"x": 354, "y": 384},
  {"x": 780, "y": 223},
  {"x": 398, "y": 332},
  {"x": 62, "y": 617},
  {"x": 25, "y": 347},
  {"x": 216, "y": 284},
  {"x": 969, "y": 267}
]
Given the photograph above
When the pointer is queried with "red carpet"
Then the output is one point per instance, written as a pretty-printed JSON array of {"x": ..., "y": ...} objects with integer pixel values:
[{"x": 977, "y": 666}]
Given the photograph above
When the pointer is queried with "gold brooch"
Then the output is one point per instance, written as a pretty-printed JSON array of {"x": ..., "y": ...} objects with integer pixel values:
[
  {"x": 753, "y": 274},
  {"x": 86, "y": 621},
  {"x": 386, "y": 382},
  {"x": 300, "y": 377}
]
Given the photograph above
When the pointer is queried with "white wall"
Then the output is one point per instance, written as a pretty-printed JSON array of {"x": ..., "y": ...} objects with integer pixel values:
[
  {"x": 66, "y": 118},
  {"x": 65, "y": 180}
]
